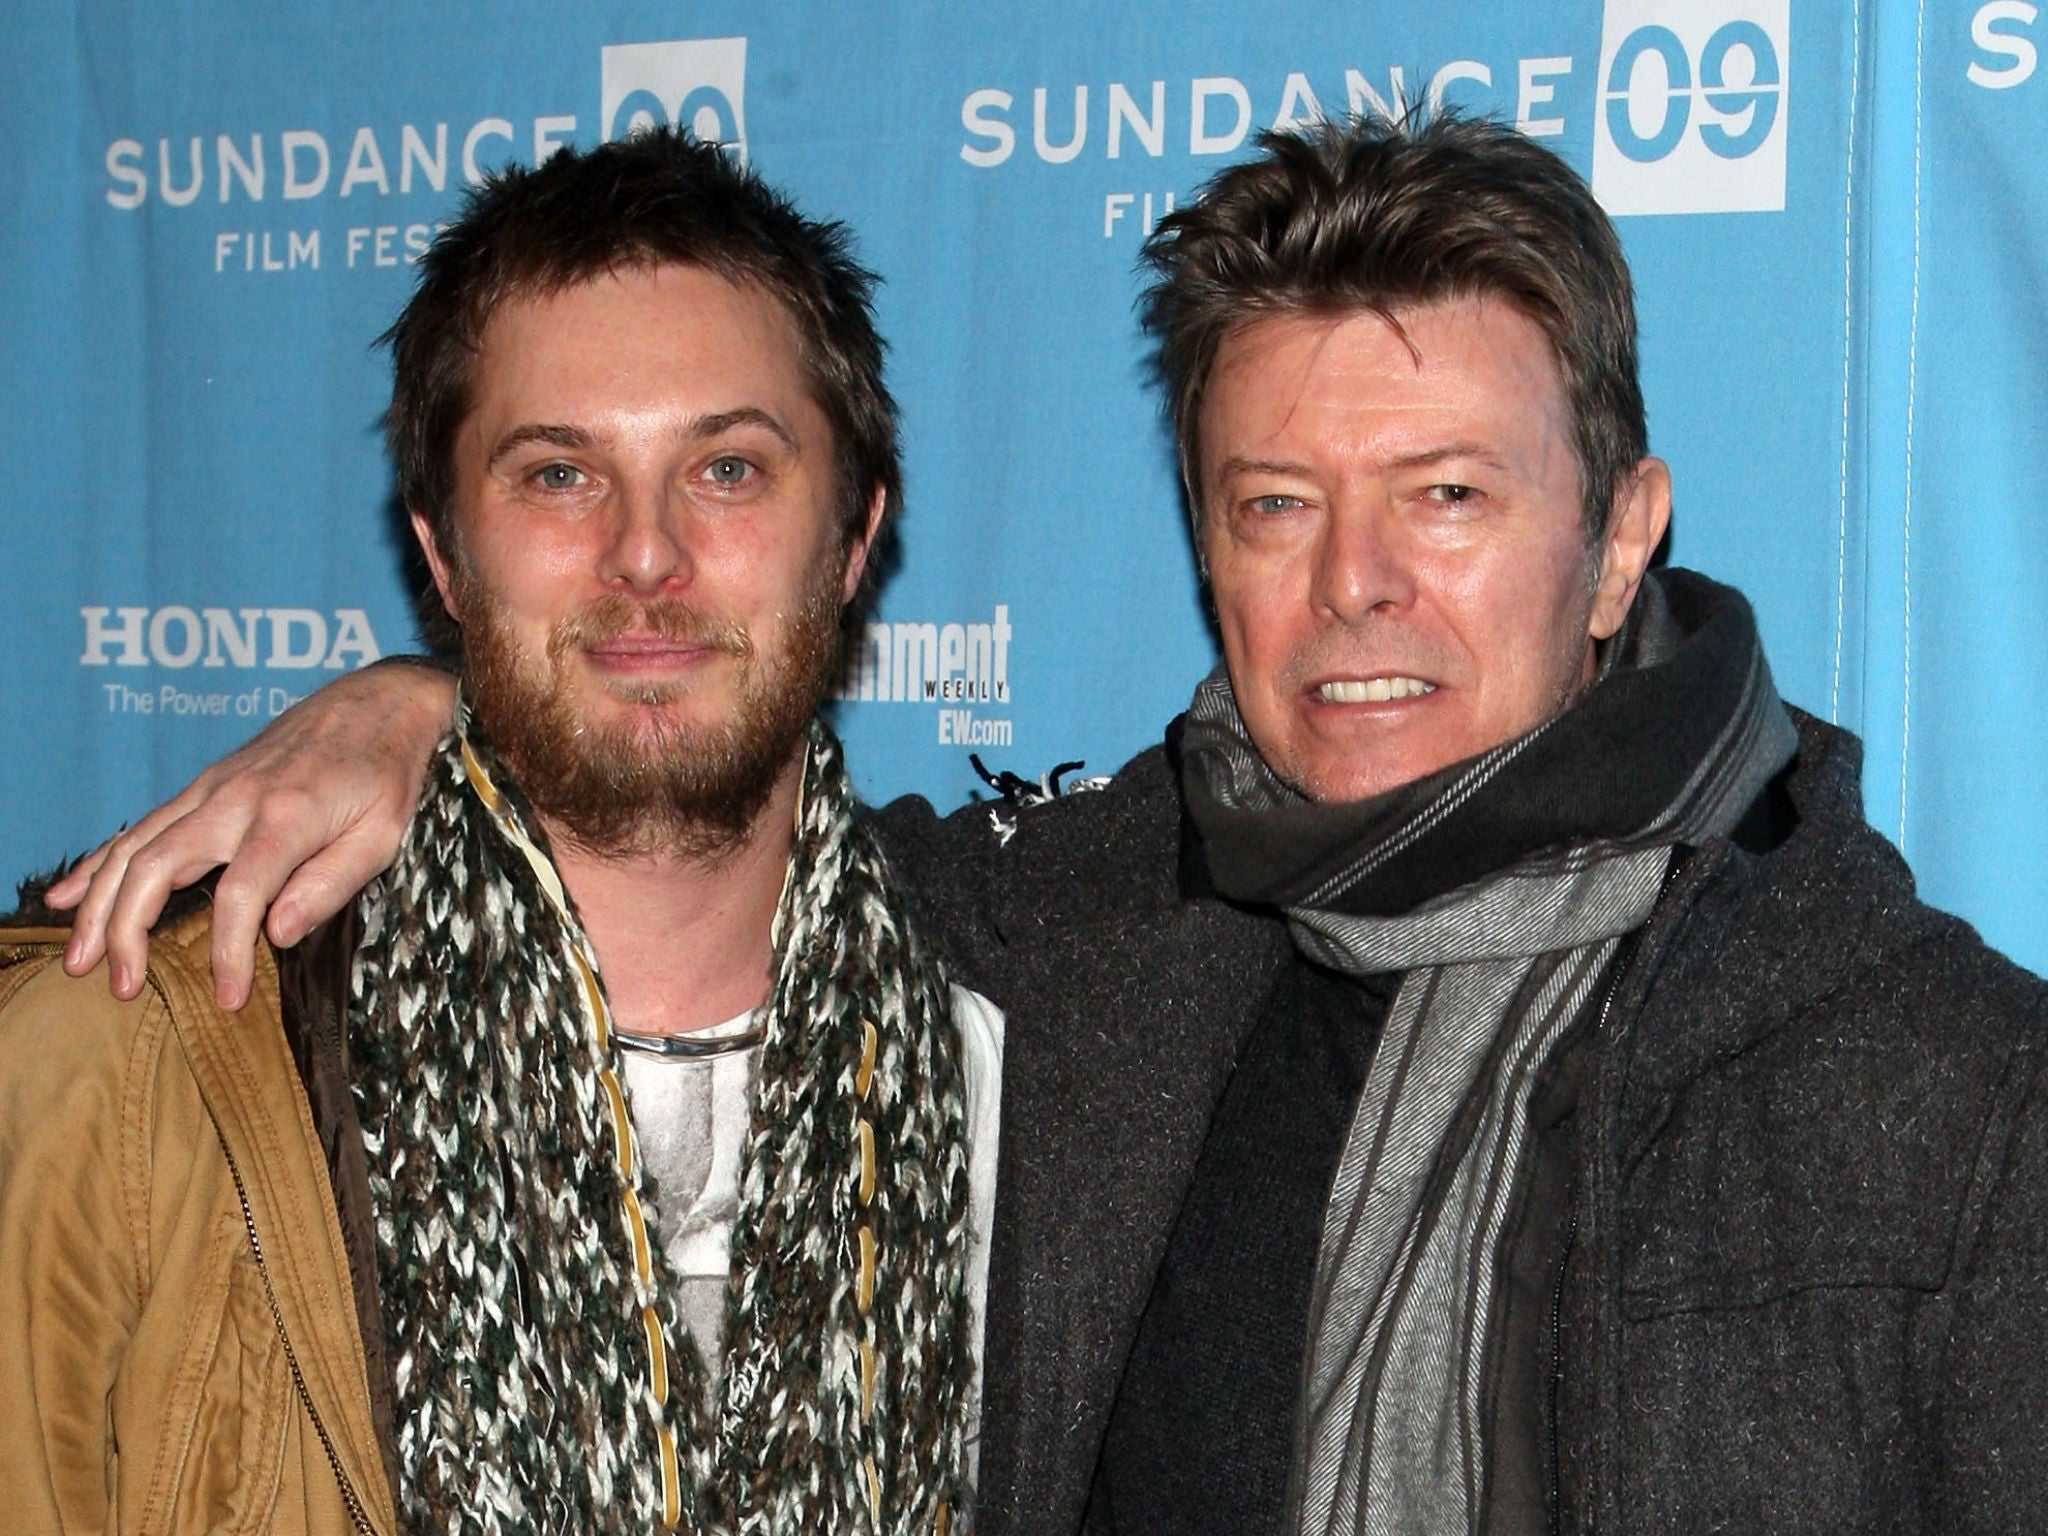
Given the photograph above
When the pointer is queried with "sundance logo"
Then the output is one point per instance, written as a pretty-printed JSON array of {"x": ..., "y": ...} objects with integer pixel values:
[
  {"x": 699, "y": 84},
  {"x": 177, "y": 636},
  {"x": 1692, "y": 108}
]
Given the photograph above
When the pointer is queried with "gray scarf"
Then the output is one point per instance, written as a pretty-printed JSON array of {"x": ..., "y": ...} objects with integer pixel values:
[{"x": 1500, "y": 889}]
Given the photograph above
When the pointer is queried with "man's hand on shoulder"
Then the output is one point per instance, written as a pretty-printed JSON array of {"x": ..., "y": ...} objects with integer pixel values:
[{"x": 302, "y": 816}]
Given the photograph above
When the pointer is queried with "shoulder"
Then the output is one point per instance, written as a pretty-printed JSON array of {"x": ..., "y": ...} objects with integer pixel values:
[
  {"x": 68, "y": 1046},
  {"x": 1825, "y": 1075},
  {"x": 1055, "y": 843},
  {"x": 106, "y": 1145},
  {"x": 1832, "y": 911},
  {"x": 1807, "y": 988},
  {"x": 998, "y": 869},
  {"x": 52, "y": 1023}
]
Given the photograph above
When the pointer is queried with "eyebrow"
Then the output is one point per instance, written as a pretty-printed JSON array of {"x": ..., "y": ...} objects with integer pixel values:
[
  {"x": 1429, "y": 456},
  {"x": 1237, "y": 465},
  {"x": 559, "y": 435},
  {"x": 539, "y": 432},
  {"x": 745, "y": 416}
]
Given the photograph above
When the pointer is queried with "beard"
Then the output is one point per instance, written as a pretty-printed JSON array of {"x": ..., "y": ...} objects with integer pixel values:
[{"x": 648, "y": 785}]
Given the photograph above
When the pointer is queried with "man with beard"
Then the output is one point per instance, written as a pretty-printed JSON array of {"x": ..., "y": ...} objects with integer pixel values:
[
  {"x": 606, "y": 1166},
  {"x": 1481, "y": 1073}
]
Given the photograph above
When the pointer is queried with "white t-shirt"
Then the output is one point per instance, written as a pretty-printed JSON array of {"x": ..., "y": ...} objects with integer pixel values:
[{"x": 690, "y": 1118}]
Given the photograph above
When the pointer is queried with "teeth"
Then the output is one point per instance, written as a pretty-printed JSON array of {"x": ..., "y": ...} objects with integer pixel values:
[{"x": 1374, "y": 690}]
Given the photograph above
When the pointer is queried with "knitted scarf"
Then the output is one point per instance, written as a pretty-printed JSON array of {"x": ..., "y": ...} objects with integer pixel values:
[
  {"x": 543, "y": 1381},
  {"x": 1500, "y": 887}
]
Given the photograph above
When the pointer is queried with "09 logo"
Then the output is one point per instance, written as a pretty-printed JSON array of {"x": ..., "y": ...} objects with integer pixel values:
[
  {"x": 1693, "y": 98},
  {"x": 697, "y": 83}
]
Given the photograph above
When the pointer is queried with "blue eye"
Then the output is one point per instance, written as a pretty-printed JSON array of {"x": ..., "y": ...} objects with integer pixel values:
[
  {"x": 1275, "y": 503},
  {"x": 557, "y": 476},
  {"x": 729, "y": 469}
]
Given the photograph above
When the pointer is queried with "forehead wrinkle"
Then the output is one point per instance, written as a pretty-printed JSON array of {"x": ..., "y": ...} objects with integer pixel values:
[
  {"x": 1252, "y": 343},
  {"x": 1383, "y": 424}
]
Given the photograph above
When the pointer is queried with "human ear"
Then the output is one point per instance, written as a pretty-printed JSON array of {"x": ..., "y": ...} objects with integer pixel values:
[
  {"x": 1642, "y": 511},
  {"x": 862, "y": 541},
  {"x": 437, "y": 563}
]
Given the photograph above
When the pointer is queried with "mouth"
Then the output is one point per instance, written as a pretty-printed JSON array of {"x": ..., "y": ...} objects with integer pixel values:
[
  {"x": 1371, "y": 690},
  {"x": 644, "y": 650},
  {"x": 639, "y": 662},
  {"x": 619, "y": 636}
]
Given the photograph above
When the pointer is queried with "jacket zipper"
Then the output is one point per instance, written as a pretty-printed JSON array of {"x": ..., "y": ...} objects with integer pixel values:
[
  {"x": 1571, "y": 1236},
  {"x": 1680, "y": 858},
  {"x": 356, "y": 1514}
]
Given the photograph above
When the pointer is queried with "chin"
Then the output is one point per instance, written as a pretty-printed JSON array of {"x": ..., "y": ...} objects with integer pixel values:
[
  {"x": 1327, "y": 790},
  {"x": 618, "y": 700},
  {"x": 1343, "y": 781}
]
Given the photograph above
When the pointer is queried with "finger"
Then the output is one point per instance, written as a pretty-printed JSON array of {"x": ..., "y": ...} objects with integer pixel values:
[
  {"x": 328, "y": 881},
  {"x": 237, "y": 917},
  {"x": 67, "y": 892},
  {"x": 287, "y": 832},
  {"x": 172, "y": 859},
  {"x": 89, "y": 922},
  {"x": 106, "y": 867}
]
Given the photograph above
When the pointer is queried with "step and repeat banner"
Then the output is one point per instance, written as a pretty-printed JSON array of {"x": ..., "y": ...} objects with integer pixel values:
[{"x": 1838, "y": 231}]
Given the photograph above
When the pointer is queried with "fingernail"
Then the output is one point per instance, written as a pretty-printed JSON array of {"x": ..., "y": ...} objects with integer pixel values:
[
  {"x": 121, "y": 987},
  {"x": 71, "y": 953}
]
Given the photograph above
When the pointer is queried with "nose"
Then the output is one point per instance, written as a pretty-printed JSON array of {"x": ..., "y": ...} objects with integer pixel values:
[
  {"x": 648, "y": 550},
  {"x": 1359, "y": 563}
]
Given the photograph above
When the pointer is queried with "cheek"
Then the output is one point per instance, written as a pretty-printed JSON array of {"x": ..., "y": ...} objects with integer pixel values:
[
  {"x": 547, "y": 557},
  {"x": 1541, "y": 636},
  {"x": 1474, "y": 593},
  {"x": 1258, "y": 596},
  {"x": 758, "y": 578},
  {"x": 1254, "y": 646}
]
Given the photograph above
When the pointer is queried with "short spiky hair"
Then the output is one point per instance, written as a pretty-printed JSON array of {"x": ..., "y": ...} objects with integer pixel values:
[
  {"x": 1382, "y": 216},
  {"x": 650, "y": 200}
]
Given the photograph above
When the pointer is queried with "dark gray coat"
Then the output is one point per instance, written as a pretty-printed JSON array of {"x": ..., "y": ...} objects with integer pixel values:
[{"x": 1807, "y": 1286}]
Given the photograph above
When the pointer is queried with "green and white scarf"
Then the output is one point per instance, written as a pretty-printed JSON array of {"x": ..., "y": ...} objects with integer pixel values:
[{"x": 543, "y": 1381}]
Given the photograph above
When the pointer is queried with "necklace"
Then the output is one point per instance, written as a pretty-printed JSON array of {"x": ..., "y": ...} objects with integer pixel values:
[{"x": 693, "y": 1047}]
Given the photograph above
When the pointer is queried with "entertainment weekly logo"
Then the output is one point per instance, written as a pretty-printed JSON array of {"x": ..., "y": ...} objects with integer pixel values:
[
  {"x": 299, "y": 198},
  {"x": 961, "y": 669},
  {"x": 1685, "y": 102},
  {"x": 184, "y": 662}
]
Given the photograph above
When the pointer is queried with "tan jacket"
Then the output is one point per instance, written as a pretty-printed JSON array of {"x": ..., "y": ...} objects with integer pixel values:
[{"x": 180, "y": 1348}]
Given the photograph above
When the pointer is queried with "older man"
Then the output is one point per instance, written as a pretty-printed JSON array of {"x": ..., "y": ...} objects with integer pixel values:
[
  {"x": 1481, "y": 1072},
  {"x": 606, "y": 1165}
]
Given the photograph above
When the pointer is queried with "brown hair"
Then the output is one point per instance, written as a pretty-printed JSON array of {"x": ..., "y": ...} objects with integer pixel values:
[
  {"x": 653, "y": 199},
  {"x": 1382, "y": 216}
]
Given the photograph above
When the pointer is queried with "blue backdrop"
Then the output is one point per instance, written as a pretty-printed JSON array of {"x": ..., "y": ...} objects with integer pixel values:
[{"x": 209, "y": 211}]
